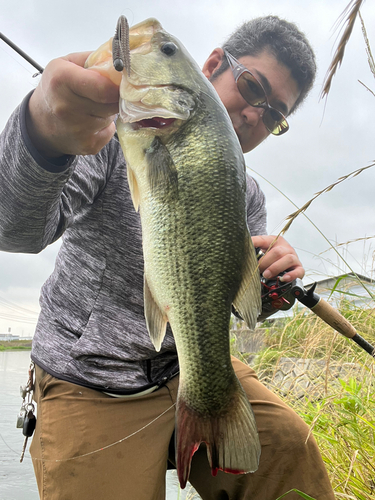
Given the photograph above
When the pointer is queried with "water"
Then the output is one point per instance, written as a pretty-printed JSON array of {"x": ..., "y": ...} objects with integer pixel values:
[{"x": 17, "y": 480}]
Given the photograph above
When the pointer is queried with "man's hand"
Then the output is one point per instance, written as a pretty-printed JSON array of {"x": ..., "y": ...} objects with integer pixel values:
[
  {"x": 279, "y": 256},
  {"x": 73, "y": 109}
]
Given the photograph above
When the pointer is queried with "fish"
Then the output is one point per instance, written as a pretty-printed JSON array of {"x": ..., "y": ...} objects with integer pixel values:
[{"x": 187, "y": 179}]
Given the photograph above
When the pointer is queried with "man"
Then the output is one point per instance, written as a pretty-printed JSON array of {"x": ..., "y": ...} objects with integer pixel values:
[{"x": 105, "y": 398}]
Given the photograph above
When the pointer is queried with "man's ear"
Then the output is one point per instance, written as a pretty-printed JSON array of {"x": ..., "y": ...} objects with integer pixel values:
[{"x": 213, "y": 62}]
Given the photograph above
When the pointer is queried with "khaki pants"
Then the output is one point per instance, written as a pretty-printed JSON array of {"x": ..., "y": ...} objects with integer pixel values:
[{"x": 89, "y": 446}]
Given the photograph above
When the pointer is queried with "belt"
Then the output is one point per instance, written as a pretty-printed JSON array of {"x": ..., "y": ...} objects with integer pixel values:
[{"x": 136, "y": 395}]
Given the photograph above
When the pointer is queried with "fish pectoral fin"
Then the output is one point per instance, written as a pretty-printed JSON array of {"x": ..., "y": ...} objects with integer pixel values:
[
  {"x": 156, "y": 321},
  {"x": 248, "y": 300},
  {"x": 162, "y": 172},
  {"x": 133, "y": 186}
]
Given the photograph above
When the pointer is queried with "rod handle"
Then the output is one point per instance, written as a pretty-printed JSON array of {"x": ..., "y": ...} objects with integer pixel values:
[{"x": 333, "y": 318}]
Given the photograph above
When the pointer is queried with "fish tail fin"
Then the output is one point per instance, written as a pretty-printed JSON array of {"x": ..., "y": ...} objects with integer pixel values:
[{"x": 230, "y": 434}]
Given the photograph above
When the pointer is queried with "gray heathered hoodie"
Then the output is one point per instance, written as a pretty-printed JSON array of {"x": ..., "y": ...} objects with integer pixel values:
[{"x": 91, "y": 329}]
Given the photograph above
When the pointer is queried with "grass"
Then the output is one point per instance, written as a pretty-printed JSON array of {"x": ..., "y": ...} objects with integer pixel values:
[
  {"x": 339, "y": 406},
  {"x": 16, "y": 345}
]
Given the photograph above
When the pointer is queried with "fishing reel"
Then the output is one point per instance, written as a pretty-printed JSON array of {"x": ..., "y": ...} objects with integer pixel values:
[
  {"x": 279, "y": 296},
  {"x": 276, "y": 296}
]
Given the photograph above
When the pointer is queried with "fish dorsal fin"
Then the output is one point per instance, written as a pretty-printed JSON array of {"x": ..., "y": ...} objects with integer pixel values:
[
  {"x": 155, "y": 320},
  {"x": 133, "y": 186},
  {"x": 248, "y": 300},
  {"x": 162, "y": 173}
]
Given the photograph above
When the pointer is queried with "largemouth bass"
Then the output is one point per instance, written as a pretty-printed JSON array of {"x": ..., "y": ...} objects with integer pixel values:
[{"x": 186, "y": 173}]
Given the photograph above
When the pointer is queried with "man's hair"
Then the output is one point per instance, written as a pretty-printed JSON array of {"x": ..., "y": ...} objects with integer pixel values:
[{"x": 283, "y": 40}]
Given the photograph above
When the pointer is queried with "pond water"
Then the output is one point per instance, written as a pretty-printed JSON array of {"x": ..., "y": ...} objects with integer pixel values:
[{"x": 17, "y": 481}]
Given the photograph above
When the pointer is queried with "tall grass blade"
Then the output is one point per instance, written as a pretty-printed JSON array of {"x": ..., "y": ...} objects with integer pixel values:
[
  {"x": 300, "y": 493},
  {"x": 348, "y": 18},
  {"x": 349, "y": 242},
  {"x": 367, "y": 88},
  {"x": 370, "y": 58},
  {"x": 290, "y": 218}
]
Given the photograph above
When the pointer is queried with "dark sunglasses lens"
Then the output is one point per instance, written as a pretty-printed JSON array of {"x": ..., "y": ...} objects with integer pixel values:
[
  {"x": 275, "y": 121},
  {"x": 251, "y": 90}
]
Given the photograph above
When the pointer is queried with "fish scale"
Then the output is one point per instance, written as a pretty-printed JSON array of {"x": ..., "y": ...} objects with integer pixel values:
[
  {"x": 186, "y": 174},
  {"x": 192, "y": 296}
]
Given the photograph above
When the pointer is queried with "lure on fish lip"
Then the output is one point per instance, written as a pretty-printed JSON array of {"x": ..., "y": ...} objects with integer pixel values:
[{"x": 186, "y": 175}]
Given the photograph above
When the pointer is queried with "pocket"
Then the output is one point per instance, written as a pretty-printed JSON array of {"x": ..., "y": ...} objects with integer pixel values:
[{"x": 41, "y": 380}]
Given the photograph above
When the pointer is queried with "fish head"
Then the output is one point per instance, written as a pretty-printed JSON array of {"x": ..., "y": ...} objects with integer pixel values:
[{"x": 163, "y": 83}]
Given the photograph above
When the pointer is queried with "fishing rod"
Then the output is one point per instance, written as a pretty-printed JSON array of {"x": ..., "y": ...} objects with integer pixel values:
[
  {"x": 281, "y": 296},
  {"x": 22, "y": 53}
]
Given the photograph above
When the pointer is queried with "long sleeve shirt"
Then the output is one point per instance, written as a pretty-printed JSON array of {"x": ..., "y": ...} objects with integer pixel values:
[{"x": 91, "y": 329}]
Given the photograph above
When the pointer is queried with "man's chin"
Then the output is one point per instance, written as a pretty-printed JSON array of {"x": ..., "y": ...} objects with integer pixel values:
[{"x": 250, "y": 141}]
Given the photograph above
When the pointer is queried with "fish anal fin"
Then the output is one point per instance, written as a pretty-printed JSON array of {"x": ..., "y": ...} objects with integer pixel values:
[
  {"x": 155, "y": 320},
  {"x": 231, "y": 437},
  {"x": 162, "y": 173},
  {"x": 248, "y": 300},
  {"x": 133, "y": 186}
]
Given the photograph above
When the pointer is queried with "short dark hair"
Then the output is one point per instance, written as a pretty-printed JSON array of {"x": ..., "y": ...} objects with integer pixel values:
[{"x": 284, "y": 40}]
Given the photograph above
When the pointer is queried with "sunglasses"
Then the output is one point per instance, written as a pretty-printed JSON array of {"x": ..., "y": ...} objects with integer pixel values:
[{"x": 253, "y": 92}]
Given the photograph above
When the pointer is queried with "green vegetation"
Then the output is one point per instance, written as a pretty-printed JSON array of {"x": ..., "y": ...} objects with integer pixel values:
[
  {"x": 307, "y": 336},
  {"x": 16, "y": 345},
  {"x": 340, "y": 405}
]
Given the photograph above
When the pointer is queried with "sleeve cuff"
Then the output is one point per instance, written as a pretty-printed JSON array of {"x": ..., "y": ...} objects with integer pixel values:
[{"x": 54, "y": 165}]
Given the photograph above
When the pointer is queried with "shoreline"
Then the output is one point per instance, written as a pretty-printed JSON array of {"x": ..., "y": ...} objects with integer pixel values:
[{"x": 15, "y": 345}]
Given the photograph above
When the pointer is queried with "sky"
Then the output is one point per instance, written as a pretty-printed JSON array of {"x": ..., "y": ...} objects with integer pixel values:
[{"x": 328, "y": 138}]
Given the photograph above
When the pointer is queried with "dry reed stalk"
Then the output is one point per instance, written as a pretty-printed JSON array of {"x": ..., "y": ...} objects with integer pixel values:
[
  {"x": 348, "y": 17},
  {"x": 370, "y": 58},
  {"x": 353, "y": 459},
  {"x": 290, "y": 218},
  {"x": 286, "y": 327},
  {"x": 348, "y": 243},
  {"x": 328, "y": 359},
  {"x": 367, "y": 88}
]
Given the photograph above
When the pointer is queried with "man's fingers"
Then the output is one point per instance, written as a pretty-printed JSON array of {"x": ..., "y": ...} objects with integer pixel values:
[
  {"x": 264, "y": 242},
  {"x": 92, "y": 85},
  {"x": 274, "y": 266},
  {"x": 78, "y": 58},
  {"x": 69, "y": 72},
  {"x": 293, "y": 274},
  {"x": 279, "y": 257}
]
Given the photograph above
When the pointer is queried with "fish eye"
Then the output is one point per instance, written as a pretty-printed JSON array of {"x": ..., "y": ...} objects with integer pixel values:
[{"x": 168, "y": 48}]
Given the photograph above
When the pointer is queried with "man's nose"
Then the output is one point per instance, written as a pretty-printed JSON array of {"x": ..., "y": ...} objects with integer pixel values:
[{"x": 252, "y": 115}]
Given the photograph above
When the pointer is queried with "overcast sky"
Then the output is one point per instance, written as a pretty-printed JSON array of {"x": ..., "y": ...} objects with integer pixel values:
[{"x": 325, "y": 141}]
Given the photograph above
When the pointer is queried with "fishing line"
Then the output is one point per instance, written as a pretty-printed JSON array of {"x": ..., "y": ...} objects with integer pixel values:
[
  {"x": 16, "y": 60},
  {"x": 7, "y": 445},
  {"x": 99, "y": 449}
]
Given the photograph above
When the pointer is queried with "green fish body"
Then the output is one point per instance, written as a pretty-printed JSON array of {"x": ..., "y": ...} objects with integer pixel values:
[{"x": 186, "y": 173}]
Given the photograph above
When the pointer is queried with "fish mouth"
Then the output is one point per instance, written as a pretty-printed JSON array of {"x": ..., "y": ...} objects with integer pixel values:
[
  {"x": 154, "y": 106},
  {"x": 156, "y": 122}
]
